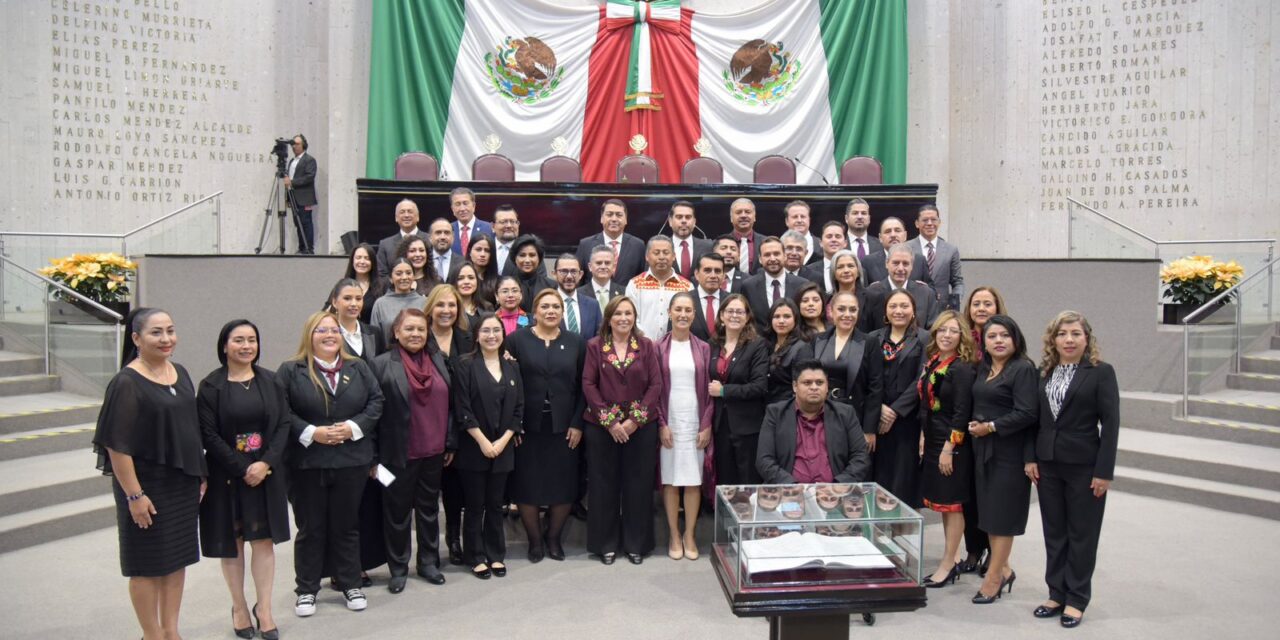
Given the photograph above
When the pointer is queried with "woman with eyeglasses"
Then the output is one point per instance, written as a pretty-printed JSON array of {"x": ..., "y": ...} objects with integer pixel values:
[
  {"x": 740, "y": 386},
  {"x": 510, "y": 297}
]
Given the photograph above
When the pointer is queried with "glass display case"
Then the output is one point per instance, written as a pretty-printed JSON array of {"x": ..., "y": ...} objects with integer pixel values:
[{"x": 815, "y": 536}]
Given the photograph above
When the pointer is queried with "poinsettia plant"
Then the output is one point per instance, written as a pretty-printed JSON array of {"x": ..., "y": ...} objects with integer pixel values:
[
  {"x": 1197, "y": 279},
  {"x": 101, "y": 277}
]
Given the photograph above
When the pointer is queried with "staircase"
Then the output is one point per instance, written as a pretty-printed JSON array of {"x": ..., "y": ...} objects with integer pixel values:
[
  {"x": 49, "y": 488},
  {"x": 1224, "y": 454}
]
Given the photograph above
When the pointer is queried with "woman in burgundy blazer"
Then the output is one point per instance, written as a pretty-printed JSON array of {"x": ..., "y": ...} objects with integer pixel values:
[
  {"x": 684, "y": 423},
  {"x": 621, "y": 382}
]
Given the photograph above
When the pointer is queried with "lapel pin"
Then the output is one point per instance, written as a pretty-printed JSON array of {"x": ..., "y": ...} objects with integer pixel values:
[{"x": 346, "y": 379}]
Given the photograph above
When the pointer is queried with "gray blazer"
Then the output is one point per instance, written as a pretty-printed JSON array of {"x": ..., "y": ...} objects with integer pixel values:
[
  {"x": 846, "y": 446},
  {"x": 945, "y": 275}
]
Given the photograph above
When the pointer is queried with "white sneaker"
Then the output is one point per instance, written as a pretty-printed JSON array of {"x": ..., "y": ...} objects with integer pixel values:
[
  {"x": 305, "y": 605},
  {"x": 355, "y": 599}
]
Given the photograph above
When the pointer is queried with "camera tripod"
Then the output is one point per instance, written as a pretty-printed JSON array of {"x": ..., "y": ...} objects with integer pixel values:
[{"x": 280, "y": 198}]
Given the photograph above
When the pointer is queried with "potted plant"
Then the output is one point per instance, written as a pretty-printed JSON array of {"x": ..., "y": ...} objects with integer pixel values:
[
  {"x": 101, "y": 277},
  {"x": 1194, "y": 280}
]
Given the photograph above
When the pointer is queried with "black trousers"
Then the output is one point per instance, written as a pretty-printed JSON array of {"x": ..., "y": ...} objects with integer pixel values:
[
  {"x": 744, "y": 456},
  {"x": 451, "y": 496},
  {"x": 1072, "y": 519},
  {"x": 483, "y": 539},
  {"x": 326, "y": 507},
  {"x": 726, "y": 458},
  {"x": 413, "y": 499},
  {"x": 620, "y": 490}
]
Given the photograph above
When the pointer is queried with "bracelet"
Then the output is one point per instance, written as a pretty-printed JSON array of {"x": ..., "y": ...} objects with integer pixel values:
[
  {"x": 950, "y": 453},
  {"x": 136, "y": 497}
]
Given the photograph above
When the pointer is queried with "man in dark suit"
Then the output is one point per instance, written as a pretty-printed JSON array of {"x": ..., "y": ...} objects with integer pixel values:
[
  {"x": 709, "y": 275},
  {"x": 892, "y": 233},
  {"x": 797, "y": 218},
  {"x": 601, "y": 285},
  {"x": 833, "y": 240},
  {"x": 770, "y": 284},
  {"x": 407, "y": 220},
  {"x": 811, "y": 439},
  {"x": 581, "y": 312},
  {"x": 727, "y": 246},
  {"x": 793, "y": 252},
  {"x": 442, "y": 255},
  {"x": 465, "y": 223},
  {"x": 941, "y": 259},
  {"x": 628, "y": 250},
  {"x": 900, "y": 261},
  {"x": 742, "y": 214},
  {"x": 506, "y": 228},
  {"x": 683, "y": 221},
  {"x": 857, "y": 217},
  {"x": 301, "y": 182}
]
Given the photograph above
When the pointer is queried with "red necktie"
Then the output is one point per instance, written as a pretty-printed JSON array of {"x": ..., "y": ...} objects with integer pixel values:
[
  {"x": 862, "y": 249},
  {"x": 613, "y": 244},
  {"x": 711, "y": 315},
  {"x": 466, "y": 240},
  {"x": 777, "y": 293},
  {"x": 684, "y": 258}
]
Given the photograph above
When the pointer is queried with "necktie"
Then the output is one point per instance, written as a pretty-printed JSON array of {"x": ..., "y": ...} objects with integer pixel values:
[
  {"x": 928, "y": 255},
  {"x": 466, "y": 239},
  {"x": 331, "y": 375},
  {"x": 711, "y": 315},
  {"x": 684, "y": 258},
  {"x": 613, "y": 244},
  {"x": 440, "y": 273},
  {"x": 570, "y": 316},
  {"x": 602, "y": 296},
  {"x": 862, "y": 249},
  {"x": 777, "y": 293},
  {"x": 744, "y": 253}
]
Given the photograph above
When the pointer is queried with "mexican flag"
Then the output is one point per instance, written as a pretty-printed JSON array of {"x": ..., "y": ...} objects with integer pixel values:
[{"x": 817, "y": 80}]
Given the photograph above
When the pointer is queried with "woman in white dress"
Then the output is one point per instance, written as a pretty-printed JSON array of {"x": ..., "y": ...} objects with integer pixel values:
[{"x": 684, "y": 423}]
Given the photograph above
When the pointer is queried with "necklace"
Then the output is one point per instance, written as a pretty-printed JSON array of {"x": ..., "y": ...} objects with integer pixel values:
[{"x": 158, "y": 377}]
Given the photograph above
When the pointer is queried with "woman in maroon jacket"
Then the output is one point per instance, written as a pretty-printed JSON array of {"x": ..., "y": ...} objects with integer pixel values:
[
  {"x": 622, "y": 383},
  {"x": 684, "y": 423}
]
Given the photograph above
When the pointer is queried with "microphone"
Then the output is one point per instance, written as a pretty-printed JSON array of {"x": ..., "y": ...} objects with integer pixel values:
[{"x": 802, "y": 163}]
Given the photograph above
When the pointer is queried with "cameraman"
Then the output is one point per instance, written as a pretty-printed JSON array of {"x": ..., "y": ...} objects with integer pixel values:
[{"x": 301, "y": 181}]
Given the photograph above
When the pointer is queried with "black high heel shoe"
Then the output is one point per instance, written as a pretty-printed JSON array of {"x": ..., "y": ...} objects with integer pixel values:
[
  {"x": 1013, "y": 575},
  {"x": 267, "y": 634},
  {"x": 1043, "y": 612},
  {"x": 952, "y": 577},
  {"x": 246, "y": 632},
  {"x": 980, "y": 598},
  {"x": 554, "y": 550},
  {"x": 969, "y": 566}
]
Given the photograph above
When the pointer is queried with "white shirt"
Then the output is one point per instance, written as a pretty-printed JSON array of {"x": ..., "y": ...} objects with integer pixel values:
[
  {"x": 826, "y": 274},
  {"x": 412, "y": 232},
  {"x": 308, "y": 435},
  {"x": 809, "y": 248},
  {"x": 715, "y": 301},
  {"x": 293, "y": 164},
  {"x": 355, "y": 341},
  {"x": 503, "y": 251},
  {"x": 924, "y": 245},
  {"x": 768, "y": 287},
  {"x": 652, "y": 296}
]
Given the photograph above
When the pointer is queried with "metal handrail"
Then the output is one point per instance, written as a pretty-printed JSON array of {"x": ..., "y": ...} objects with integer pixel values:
[
  {"x": 1212, "y": 303},
  {"x": 1112, "y": 220},
  {"x": 1237, "y": 241},
  {"x": 124, "y": 236},
  {"x": 66, "y": 291},
  {"x": 1126, "y": 227}
]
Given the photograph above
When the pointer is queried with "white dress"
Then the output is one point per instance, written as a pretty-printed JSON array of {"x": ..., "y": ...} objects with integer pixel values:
[{"x": 682, "y": 464}]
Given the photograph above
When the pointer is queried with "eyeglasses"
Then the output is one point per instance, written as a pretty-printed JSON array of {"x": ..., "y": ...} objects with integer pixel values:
[
  {"x": 325, "y": 330},
  {"x": 567, "y": 272},
  {"x": 734, "y": 312}
]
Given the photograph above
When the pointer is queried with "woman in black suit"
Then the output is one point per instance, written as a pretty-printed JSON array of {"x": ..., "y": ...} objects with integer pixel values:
[
  {"x": 1075, "y": 460},
  {"x": 415, "y": 444},
  {"x": 546, "y": 471},
  {"x": 450, "y": 337},
  {"x": 842, "y": 350},
  {"x": 813, "y": 310},
  {"x": 983, "y": 303},
  {"x": 489, "y": 406},
  {"x": 945, "y": 389},
  {"x": 466, "y": 279},
  {"x": 362, "y": 268},
  {"x": 740, "y": 386},
  {"x": 333, "y": 405},
  {"x": 895, "y": 356},
  {"x": 787, "y": 346},
  {"x": 241, "y": 418},
  {"x": 1004, "y": 412}
]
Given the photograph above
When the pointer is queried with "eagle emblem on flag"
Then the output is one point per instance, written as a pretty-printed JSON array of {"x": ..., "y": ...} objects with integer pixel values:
[
  {"x": 761, "y": 73},
  {"x": 523, "y": 69}
]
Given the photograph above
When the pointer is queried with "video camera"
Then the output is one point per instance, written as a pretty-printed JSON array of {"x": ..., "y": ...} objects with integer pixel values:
[{"x": 280, "y": 149}]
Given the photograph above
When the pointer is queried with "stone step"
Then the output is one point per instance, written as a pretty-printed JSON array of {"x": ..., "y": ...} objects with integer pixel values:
[
  {"x": 1254, "y": 382},
  {"x": 1206, "y": 493},
  {"x": 1234, "y": 404},
  {"x": 1202, "y": 458},
  {"x": 13, "y": 363},
  {"x": 28, "y": 384},
  {"x": 27, "y": 444},
  {"x": 46, "y": 410},
  {"x": 56, "y": 522},
  {"x": 1261, "y": 362},
  {"x": 1275, "y": 343}
]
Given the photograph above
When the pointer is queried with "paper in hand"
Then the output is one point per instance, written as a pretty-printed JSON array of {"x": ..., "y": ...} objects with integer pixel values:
[{"x": 385, "y": 476}]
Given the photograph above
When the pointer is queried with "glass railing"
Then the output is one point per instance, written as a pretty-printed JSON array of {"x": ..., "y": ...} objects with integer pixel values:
[
  {"x": 1094, "y": 235},
  {"x": 76, "y": 336},
  {"x": 193, "y": 229},
  {"x": 1216, "y": 335}
]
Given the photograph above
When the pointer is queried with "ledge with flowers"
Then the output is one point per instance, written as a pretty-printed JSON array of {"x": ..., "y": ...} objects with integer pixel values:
[
  {"x": 101, "y": 277},
  {"x": 1192, "y": 281}
]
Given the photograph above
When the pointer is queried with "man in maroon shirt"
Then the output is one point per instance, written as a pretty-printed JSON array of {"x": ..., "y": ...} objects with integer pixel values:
[{"x": 811, "y": 438}]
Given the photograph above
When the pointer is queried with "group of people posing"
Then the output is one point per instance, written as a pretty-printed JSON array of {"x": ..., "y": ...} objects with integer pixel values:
[{"x": 462, "y": 366}]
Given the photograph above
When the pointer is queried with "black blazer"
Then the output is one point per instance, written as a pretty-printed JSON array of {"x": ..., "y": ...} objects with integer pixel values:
[
  {"x": 754, "y": 288},
  {"x": 894, "y": 384},
  {"x": 735, "y": 282},
  {"x": 780, "y": 388},
  {"x": 304, "y": 181},
  {"x": 699, "y": 327},
  {"x": 371, "y": 340},
  {"x": 1087, "y": 429},
  {"x": 530, "y": 285},
  {"x": 856, "y": 385},
  {"x": 554, "y": 375},
  {"x": 746, "y": 386},
  {"x": 630, "y": 261},
  {"x": 358, "y": 398},
  {"x": 874, "y": 269},
  {"x": 846, "y": 447},
  {"x": 459, "y": 346},
  {"x": 492, "y": 407},
  {"x": 877, "y": 293},
  {"x": 1008, "y": 401},
  {"x": 813, "y": 272},
  {"x": 393, "y": 440},
  {"x": 227, "y": 466},
  {"x": 698, "y": 247}
]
